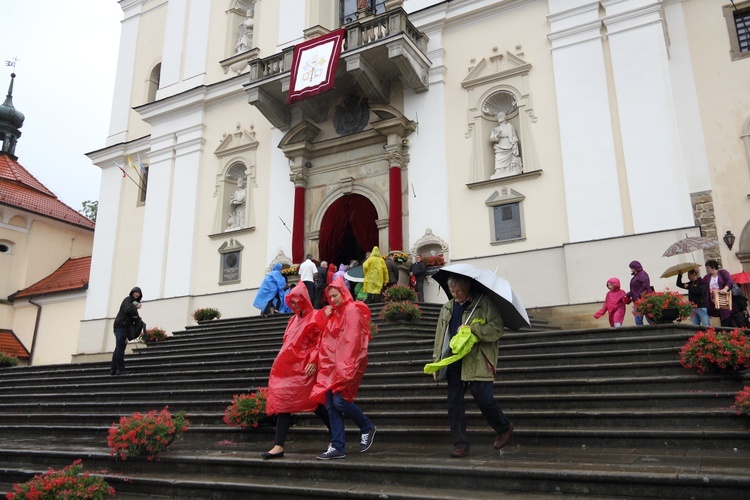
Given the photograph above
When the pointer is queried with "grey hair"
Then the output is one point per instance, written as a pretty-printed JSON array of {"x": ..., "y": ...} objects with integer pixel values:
[{"x": 454, "y": 280}]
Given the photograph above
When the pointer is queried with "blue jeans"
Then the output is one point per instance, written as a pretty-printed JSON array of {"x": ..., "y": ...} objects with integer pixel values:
[
  {"x": 118, "y": 357},
  {"x": 336, "y": 406},
  {"x": 482, "y": 393},
  {"x": 700, "y": 317},
  {"x": 639, "y": 320}
]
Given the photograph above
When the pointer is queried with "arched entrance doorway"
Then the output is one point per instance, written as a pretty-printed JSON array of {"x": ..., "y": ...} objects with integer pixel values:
[{"x": 348, "y": 230}]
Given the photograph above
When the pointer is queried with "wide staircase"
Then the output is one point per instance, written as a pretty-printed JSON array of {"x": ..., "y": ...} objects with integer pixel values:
[{"x": 598, "y": 413}]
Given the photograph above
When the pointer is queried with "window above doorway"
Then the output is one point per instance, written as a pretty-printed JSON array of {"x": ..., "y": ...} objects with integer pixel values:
[{"x": 737, "y": 16}]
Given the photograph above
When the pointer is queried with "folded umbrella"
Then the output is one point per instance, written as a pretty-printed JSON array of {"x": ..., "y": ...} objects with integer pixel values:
[
  {"x": 679, "y": 269},
  {"x": 497, "y": 289}
]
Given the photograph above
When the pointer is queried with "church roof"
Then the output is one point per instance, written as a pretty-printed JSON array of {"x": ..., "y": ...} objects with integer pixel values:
[
  {"x": 9, "y": 344},
  {"x": 20, "y": 189},
  {"x": 73, "y": 275}
]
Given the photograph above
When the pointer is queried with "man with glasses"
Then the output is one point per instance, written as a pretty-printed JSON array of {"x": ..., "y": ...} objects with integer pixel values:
[{"x": 475, "y": 371}]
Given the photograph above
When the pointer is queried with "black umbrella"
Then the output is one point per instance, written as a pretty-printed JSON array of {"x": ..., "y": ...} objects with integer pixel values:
[{"x": 495, "y": 288}]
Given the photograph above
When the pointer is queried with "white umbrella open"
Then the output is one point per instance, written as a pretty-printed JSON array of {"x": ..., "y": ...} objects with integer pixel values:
[{"x": 494, "y": 287}]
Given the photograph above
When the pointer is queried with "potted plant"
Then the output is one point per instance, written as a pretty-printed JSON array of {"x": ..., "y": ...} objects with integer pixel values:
[
  {"x": 400, "y": 257},
  {"x": 7, "y": 360},
  {"x": 400, "y": 311},
  {"x": 247, "y": 410},
  {"x": 154, "y": 335},
  {"x": 206, "y": 314},
  {"x": 68, "y": 483},
  {"x": 664, "y": 307},
  {"x": 742, "y": 402},
  {"x": 400, "y": 293},
  {"x": 434, "y": 260},
  {"x": 712, "y": 350},
  {"x": 145, "y": 434}
]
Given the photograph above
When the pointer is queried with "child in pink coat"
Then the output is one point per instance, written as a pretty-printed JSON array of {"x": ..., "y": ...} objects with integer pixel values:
[{"x": 614, "y": 304}]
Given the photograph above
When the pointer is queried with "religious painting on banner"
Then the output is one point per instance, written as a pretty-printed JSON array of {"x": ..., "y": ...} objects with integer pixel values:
[{"x": 314, "y": 65}]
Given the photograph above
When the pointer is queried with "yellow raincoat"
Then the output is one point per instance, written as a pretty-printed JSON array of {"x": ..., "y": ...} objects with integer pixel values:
[{"x": 375, "y": 271}]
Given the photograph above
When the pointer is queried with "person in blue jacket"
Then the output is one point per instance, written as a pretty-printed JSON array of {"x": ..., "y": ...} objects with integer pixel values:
[{"x": 271, "y": 293}]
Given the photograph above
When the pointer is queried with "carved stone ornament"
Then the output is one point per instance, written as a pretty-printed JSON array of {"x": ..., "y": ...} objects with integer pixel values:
[
  {"x": 428, "y": 239},
  {"x": 351, "y": 116},
  {"x": 281, "y": 258}
]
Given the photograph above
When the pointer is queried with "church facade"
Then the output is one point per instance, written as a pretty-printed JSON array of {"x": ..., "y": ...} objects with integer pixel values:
[{"x": 553, "y": 141}]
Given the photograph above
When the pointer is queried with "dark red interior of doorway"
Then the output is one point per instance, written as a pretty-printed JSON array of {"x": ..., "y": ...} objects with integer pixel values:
[{"x": 348, "y": 230}]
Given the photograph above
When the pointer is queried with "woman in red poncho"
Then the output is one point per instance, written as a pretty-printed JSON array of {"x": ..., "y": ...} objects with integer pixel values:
[
  {"x": 293, "y": 372},
  {"x": 342, "y": 361}
]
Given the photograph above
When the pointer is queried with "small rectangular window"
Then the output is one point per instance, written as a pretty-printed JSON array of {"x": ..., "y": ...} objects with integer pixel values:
[
  {"x": 737, "y": 16},
  {"x": 143, "y": 175}
]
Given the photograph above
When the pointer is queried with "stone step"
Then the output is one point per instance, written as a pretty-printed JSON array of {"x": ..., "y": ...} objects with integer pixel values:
[{"x": 419, "y": 472}]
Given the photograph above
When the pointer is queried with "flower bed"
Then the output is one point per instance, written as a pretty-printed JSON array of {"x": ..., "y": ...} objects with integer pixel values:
[
  {"x": 400, "y": 293},
  {"x": 400, "y": 311},
  {"x": 66, "y": 484},
  {"x": 148, "y": 434},
  {"x": 653, "y": 305},
  {"x": 400, "y": 257},
  {"x": 246, "y": 410},
  {"x": 742, "y": 401},
  {"x": 206, "y": 314},
  {"x": 434, "y": 260},
  {"x": 154, "y": 335},
  {"x": 721, "y": 350},
  {"x": 290, "y": 271}
]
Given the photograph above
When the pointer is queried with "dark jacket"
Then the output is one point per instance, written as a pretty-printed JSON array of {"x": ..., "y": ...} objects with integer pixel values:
[
  {"x": 128, "y": 312},
  {"x": 320, "y": 278},
  {"x": 724, "y": 280},
  {"x": 640, "y": 283},
  {"x": 392, "y": 271},
  {"x": 697, "y": 291},
  {"x": 418, "y": 269}
]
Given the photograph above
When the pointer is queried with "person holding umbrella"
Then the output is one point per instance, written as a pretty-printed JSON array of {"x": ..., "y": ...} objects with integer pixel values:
[
  {"x": 475, "y": 371},
  {"x": 698, "y": 295}
]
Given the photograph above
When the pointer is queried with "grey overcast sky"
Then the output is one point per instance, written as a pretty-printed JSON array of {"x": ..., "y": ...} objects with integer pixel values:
[{"x": 67, "y": 56}]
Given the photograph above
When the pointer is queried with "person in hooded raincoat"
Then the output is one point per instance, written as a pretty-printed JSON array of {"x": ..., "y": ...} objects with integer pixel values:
[
  {"x": 293, "y": 372},
  {"x": 127, "y": 314},
  {"x": 270, "y": 297},
  {"x": 376, "y": 275},
  {"x": 343, "y": 268},
  {"x": 614, "y": 303},
  {"x": 342, "y": 360},
  {"x": 640, "y": 283},
  {"x": 331, "y": 272}
]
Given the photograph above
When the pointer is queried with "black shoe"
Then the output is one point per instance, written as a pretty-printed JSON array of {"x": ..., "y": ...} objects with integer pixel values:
[
  {"x": 122, "y": 373},
  {"x": 460, "y": 453},
  {"x": 331, "y": 454},
  {"x": 267, "y": 456},
  {"x": 113, "y": 372}
]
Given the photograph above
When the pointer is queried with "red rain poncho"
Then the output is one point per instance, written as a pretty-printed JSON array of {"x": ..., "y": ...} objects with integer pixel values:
[
  {"x": 343, "y": 349},
  {"x": 288, "y": 385}
]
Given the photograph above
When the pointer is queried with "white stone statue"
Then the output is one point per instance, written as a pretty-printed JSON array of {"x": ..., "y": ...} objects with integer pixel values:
[
  {"x": 245, "y": 39},
  {"x": 237, "y": 207},
  {"x": 507, "y": 160}
]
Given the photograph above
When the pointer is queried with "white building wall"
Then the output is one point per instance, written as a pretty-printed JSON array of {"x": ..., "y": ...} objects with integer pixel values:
[
  {"x": 280, "y": 203},
  {"x": 174, "y": 37},
  {"x": 428, "y": 205},
  {"x": 184, "y": 211},
  {"x": 197, "y": 43},
  {"x": 592, "y": 191},
  {"x": 118, "y": 121},
  {"x": 648, "y": 122},
  {"x": 690, "y": 126}
]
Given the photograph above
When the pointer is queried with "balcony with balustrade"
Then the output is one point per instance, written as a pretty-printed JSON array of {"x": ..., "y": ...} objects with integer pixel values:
[{"x": 378, "y": 50}]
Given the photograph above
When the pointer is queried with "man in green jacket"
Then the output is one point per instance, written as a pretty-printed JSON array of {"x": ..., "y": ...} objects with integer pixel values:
[{"x": 476, "y": 371}]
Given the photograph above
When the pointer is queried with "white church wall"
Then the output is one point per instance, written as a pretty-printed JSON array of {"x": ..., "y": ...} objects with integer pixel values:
[{"x": 278, "y": 209}]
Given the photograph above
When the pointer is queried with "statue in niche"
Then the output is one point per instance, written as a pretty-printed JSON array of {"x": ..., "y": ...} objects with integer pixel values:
[
  {"x": 507, "y": 160},
  {"x": 245, "y": 38},
  {"x": 237, "y": 207}
]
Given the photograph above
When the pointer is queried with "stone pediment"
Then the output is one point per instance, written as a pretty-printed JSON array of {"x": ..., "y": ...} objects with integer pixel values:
[
  {"x": 237, "y": 141},
  {"x": 498, "y": 67}
]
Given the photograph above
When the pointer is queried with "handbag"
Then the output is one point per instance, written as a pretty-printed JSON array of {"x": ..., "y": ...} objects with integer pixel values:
[
  {"x": 737, "y": 291},
  {"x": 134, "y": 328}
]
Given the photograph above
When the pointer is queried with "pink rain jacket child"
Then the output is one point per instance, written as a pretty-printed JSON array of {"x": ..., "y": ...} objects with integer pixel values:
[
  {"x": 288, "y": 385},
  {"x": 614, "y": 303},
  {"x": 342, "y": 356}
]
